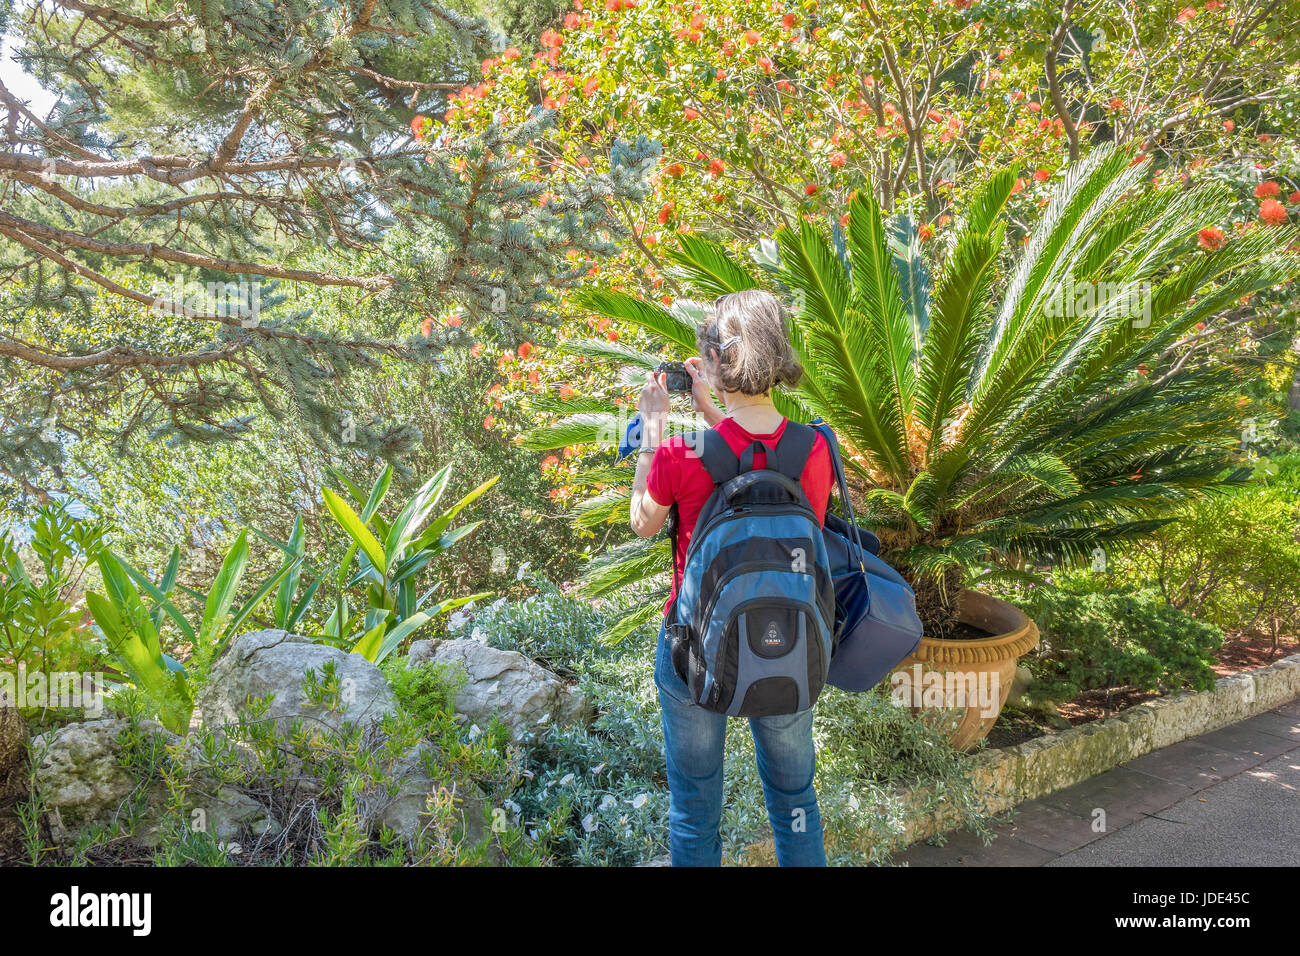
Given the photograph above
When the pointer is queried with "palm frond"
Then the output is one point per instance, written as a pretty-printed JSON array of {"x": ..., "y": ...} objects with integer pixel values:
[
  {"x": 647, "y": 315},
  {"x": 709, "y": 267}
]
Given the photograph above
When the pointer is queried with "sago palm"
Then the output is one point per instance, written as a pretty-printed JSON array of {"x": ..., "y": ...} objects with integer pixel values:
[{"x": 1008, "y": 411}]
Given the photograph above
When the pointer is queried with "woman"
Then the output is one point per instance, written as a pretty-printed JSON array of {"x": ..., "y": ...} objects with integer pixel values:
[{"x": 744, "y": 352}]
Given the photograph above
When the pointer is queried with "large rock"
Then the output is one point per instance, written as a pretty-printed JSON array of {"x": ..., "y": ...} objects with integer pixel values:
[
  {"x": 274, "y": 663},
  {"x": 523, "y": 694},
  {"x": 407, "y": 811},
  {"x": 84, "y": 784}
]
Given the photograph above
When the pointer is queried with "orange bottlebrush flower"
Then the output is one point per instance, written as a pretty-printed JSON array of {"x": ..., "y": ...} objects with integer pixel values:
[
  {"x": 752, "y": 37},
  {"x": 525, "y": 350},
  {"x": 1267, "y": 190},
  {"x": 1272, "y": 212},
  {"x": 1210, "y": 238}
]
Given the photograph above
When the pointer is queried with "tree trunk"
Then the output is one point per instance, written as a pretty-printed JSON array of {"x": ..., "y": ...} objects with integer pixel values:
[{"x": 13, "y": 780}]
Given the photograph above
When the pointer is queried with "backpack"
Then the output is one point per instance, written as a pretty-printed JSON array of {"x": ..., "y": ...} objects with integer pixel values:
[{"x": 752, "y": 628}]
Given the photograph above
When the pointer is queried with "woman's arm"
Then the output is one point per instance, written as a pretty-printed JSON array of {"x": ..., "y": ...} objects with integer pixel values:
[{"x": 648, "y": 515}]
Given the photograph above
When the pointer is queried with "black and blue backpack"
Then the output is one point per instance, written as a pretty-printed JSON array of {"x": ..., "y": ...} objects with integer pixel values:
[{"x": 753, "y": 627}]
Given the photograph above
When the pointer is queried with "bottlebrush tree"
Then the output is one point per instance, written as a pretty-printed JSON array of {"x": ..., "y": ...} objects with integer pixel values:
[{"x": 777, "y": 113}]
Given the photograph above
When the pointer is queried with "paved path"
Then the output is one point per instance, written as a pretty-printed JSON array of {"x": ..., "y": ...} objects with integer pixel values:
[{"x": 1227, "y": 798}]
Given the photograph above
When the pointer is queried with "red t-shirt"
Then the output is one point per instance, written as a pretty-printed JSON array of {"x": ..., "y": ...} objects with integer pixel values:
[{"x": 677, "y": 476}]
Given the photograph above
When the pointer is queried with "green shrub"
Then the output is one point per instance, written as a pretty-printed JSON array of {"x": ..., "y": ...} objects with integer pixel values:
[
  {"x": 41, "y": 589},
  {"x": 1232, "y": 560},
  {"x": 558, "y": 631},
  {"x": 427, "y": 690},
  {"x": 1099, "y": 636},
  {"x": 870, "y": 754}
]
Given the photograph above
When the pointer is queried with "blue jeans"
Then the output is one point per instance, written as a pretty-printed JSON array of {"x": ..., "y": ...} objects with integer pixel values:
[{"x": 694, "y": 743}]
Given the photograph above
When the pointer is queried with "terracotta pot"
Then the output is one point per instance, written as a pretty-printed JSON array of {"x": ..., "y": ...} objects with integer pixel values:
[{"x": 963, "y": 684}]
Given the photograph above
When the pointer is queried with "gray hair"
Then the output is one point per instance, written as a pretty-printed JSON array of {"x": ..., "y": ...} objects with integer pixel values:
[{"x": 747, "y": 331}]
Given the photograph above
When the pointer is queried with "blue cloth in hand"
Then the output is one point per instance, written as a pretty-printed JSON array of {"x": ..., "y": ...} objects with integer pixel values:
[{"x": 631, "y": 438}]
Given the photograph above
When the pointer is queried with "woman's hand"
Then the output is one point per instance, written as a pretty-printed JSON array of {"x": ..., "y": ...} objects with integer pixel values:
[
  {"x": 653, "y": 400},
  {"x": 702, "y": 392}
]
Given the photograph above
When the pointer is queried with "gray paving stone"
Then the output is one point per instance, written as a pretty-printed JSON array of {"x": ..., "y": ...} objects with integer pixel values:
[
  {"x": 1194, "y": 764},
  {"x": 1241, "y": 739},
  {"x": 1050, "y": 828},
  {"x": 1125, "y": 795},
  {"x": 1280, "y": 725},
  {"x": 969, "y": 851}
]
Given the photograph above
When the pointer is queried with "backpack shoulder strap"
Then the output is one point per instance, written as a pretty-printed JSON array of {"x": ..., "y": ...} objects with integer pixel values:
[
  {"x": 793, "y": 450},
  {"x": 715, "y": 455}
]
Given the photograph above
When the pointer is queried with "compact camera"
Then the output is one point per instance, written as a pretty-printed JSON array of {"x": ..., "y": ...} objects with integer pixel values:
[{"x": 677, "y": 379}]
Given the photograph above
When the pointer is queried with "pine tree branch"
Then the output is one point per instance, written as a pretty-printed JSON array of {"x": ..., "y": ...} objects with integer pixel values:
[
  {"x": 149, "y": 250},
  {"x": 125, "y": 19},
  {"x": 115, "y": 357},
  {"x": 168, "y": 306}
]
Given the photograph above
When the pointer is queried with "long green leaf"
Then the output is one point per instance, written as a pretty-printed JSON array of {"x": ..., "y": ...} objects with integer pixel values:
[
  {"x": 356, "y": 529},
  {"x": 222, "y": 593}
]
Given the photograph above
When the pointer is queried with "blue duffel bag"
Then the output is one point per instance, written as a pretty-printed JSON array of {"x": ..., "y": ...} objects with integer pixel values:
[{"x": 875, "y": 609}]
